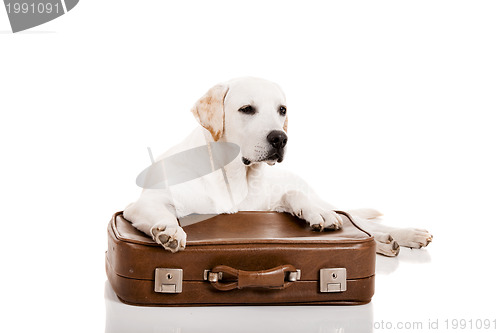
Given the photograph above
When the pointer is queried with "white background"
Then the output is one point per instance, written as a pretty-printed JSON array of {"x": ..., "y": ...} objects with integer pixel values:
[{"x": 392, "y": 105}]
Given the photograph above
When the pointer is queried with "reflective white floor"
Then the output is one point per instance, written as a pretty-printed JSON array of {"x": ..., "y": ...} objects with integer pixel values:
[{"x": 122, "y": 318}]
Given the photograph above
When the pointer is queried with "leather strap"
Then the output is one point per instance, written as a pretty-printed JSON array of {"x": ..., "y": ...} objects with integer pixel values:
[{"x": 273, "y": 278}]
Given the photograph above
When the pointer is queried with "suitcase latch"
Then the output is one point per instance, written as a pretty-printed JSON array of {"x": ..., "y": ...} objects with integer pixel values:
[
  {"x": 168, "y": 280},
  {"x": 332, "y": 280}
]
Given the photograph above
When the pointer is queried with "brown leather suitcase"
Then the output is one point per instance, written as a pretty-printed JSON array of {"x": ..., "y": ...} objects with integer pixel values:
[{"x": 260, "y": 258}]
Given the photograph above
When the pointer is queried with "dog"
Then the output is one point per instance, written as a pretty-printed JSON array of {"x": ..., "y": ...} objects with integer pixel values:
[{"x": 251, "y": 113}]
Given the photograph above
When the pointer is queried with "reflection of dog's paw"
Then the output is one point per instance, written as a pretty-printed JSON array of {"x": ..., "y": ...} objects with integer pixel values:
[
  {"x": 386, "y": 245},
  {"x": 172, "y": 238},
  {"x": 411, "y": 237},
  {"x": 320, "y": 219}
]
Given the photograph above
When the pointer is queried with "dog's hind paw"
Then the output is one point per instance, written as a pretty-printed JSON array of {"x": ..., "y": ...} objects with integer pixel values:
[
  {"x": 172, "y": 238},
  {"x": 386, "y": 245},
  {"x": 412, "y": 238}
]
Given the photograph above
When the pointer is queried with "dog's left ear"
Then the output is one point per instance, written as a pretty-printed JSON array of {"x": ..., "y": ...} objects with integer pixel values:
[
  {"x": 285, "y": 125},
  {"x": 209, "y": 110}
]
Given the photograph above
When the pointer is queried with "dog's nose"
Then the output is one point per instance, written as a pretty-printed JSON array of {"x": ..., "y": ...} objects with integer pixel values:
[{"x": 277, "y": 139}]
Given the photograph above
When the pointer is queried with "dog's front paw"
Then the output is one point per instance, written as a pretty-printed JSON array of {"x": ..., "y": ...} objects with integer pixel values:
[
  {"x": 411, "y": 237},
  {"x": 320, "y": 219},
  {"x": 172, "y": 238}
]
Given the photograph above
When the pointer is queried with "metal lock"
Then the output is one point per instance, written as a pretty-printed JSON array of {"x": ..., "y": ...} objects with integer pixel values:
[
  {"x": 168, "y": 280},
  {"x": 332, "y": 280}
]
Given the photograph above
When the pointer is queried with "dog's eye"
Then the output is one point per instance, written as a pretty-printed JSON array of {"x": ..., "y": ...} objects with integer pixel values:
[
  {"x": 282, "y": 110},
  {"x": 248, "y": 109}
]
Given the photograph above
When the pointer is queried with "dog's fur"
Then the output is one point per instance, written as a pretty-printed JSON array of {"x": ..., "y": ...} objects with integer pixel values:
[{"x": 253, "y": 183}]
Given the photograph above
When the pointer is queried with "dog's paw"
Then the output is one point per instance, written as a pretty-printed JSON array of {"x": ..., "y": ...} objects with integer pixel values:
[
  {"x": 386, "y": 245},
  {"x": 320, "y": 219},
  {"x": 172, "y": 238},
  {"x": 412, "y": 238}
]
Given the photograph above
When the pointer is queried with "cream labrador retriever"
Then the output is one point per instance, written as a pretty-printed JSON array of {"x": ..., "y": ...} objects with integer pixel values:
[{"x": 251, "y": 113}]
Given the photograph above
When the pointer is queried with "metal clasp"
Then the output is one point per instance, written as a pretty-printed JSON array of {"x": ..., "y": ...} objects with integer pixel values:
[
  {"x": 168, "y": 280},
  {"x": 211, "y": 276},
  {"x": 294, "y": 276},
  {"x": 332, "y": 280}
]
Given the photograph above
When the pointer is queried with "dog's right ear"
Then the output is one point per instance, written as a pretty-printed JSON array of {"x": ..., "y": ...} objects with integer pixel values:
[{"x": 209, "y": 110}]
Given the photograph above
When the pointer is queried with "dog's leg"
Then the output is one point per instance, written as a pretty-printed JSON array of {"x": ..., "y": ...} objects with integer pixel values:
[
  {"x": 407, "y": 237},
  {"x": 299, "y": 204},
  {"x": 151, "y": 215}
]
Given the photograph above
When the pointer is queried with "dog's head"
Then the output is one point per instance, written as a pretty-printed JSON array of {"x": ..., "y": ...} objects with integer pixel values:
[{"x": 249, "y": 112}]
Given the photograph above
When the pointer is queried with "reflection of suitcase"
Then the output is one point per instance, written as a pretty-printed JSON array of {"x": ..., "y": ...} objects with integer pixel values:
[{"x": 243, "y": 258}]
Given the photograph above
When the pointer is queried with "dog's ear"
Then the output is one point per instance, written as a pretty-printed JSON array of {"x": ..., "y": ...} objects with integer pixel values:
[
  {"x": 209, "y": 110},
  {"x": 285, "y": 125}
]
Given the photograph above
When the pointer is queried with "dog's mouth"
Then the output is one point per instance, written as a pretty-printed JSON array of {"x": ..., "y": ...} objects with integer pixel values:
[{"x": 274, "y": 155}]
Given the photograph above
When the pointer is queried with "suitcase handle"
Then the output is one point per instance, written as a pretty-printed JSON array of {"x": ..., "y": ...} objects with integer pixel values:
[{"x": 279, "y": 277}]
